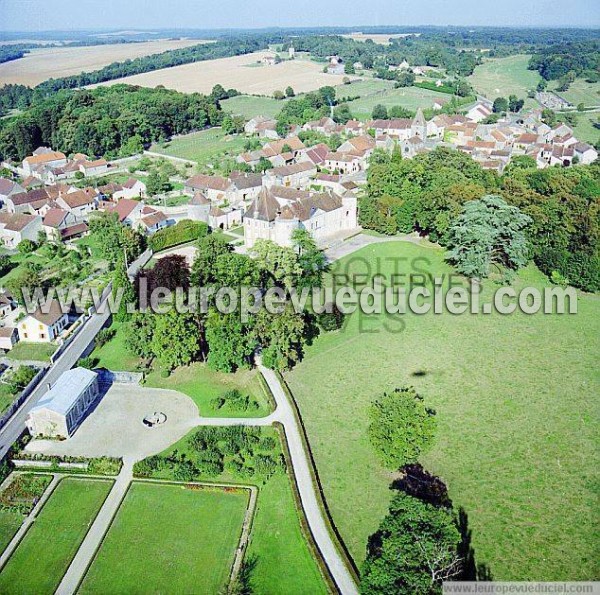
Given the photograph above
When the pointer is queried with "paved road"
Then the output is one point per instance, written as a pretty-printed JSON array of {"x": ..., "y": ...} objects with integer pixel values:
[
  {"x": 67, "y": 359},
  {"x": 299, "y": 459}
]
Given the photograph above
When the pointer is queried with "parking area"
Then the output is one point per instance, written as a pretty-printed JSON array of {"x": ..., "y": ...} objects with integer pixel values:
[{"x": 116, "y": 427}]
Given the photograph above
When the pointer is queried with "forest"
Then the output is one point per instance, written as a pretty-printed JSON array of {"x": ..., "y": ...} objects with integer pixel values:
[
  {"x": 108, "y": 121},
  {"x": 427, "y": 194}
]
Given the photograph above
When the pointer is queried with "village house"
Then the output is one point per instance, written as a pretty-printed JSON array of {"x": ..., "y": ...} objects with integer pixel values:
[
  {"x": 55, "y": 220},
  {"x": 7, "y": 304},
  {"x": 325, "y": 125},
  {"x": 8, "y": 188},
  {"x": 128, "y": 211},
  {"x": 296, "y": 175},
  {"x": 8, "y": 337},
  {"x": 16, "y": 227},
  {"x": 79, "y": 203},
  {"x": 343, "y": 163},
  {"x": 215, "y": 188},
  {"x": 132, "y": 188},
  {"x": 274, "y": 216},
  {"x": 585, "y": 153},
  {"x": 480, "y": 111},
  {"x": 43, "y": 327},
  {"x": 262, "y": 126},
  {"x": 151, "y": 220},
  {"x": 335, "y": 65},
  {"x": 315, "y": 154},
  {"x": 61, "y": 410},
  {"x": 22, "y": 202},
  {"x": 43, "y": 156}
]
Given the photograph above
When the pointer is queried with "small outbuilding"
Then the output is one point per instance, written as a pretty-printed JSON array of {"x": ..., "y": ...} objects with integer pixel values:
[{"x": 61, "y": 410}]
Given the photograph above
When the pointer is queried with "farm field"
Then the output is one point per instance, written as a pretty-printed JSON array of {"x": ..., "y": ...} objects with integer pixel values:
[
  {"x": 517, "y": 429},
  {"x": 380, "y": 38},
  {"x": 169, "y": 539},
  {"x": 585, "y": 129},
  {"x": 501, "y": 77},
  {"x": 202, "y": 146},
  {"x": 56, "y": 62},
  {"x": 284, "y": 562},
  {"x": 41, "y": 559},
  {"x": 582, "y": 92},
  {"x": 411, "y": 98},
  {"x": 250, "y": 106},
  {"x": 238, "y": 72}
]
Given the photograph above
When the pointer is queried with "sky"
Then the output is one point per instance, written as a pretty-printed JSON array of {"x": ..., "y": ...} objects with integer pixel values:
[{"x": 42, "y": 15}]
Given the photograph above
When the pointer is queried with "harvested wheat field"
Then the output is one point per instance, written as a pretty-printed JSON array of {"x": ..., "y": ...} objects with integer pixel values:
[
  {"x": 244, "y": 73},
  {"x": 55, "y": 62}
]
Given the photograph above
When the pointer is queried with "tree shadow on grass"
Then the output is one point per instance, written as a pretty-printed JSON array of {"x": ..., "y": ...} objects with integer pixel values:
[{"x": 419, "y": 483}]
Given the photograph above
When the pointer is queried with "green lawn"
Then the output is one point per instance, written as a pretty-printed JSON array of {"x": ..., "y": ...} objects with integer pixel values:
[
  {"x": 169, "y": 539},
  {"x": 114, "y": 355},
  {"x": 10, "y": 521},
  {"x": 41, "y": 559},
  {"x": 409, "y": 97},
  {"x": 250, "y": 106},
  {"x": 518, "y": 421},
  {"x": 26, "y": 350},
  {"x": 202, "y": 146},
  {"x": 585, "y": 129},
  {"x": 501, "y": 77},
  {"x": 203, "y": 384},
  {"x": 581, "y": 92},
  {"x": 284, "y": 563},
  {"x": 6, "y": 397}
]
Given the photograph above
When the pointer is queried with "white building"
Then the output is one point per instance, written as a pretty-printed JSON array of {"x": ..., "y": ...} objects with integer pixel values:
[
  {"x": 63, "y": 407},
  {"x": 16, "y": 227},
  {"x": 43, "y": 327},
  {"x": 277, "y": 212}
]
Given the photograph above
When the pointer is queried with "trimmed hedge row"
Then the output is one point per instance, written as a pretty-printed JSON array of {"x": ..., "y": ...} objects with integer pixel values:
[{"x": 184, "y": 231}]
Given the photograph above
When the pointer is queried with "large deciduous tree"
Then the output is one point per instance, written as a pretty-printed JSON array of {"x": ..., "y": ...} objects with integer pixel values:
[{"x": 401, "y": 427}]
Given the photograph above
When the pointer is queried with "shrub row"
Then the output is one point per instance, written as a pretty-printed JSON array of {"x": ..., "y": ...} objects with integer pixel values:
[{"x": 184, "y": 231}]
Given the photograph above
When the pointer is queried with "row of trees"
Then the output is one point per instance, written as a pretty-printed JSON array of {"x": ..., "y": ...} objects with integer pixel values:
[
  {"x": 429, "y": 193},
  {"x": 225, "y": 340},
  {"x": 108, "y": 121}
]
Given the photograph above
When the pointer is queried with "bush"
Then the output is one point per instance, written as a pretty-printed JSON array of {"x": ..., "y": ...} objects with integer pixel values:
[
  {"x": 88, "y": 362},
  {"x": 184, "y": 231},
  {"x": 105, "y": 466},
  {"x": 104, "y": 336}
]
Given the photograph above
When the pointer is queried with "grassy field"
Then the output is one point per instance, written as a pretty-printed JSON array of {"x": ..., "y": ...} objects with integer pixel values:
[
  {"x": 169, "y": 539},
  {"x": 6, "y": 397},
  {"x": 55, "y": 62},
  {"x": 10, "y": 522},
  {"x": 284, "y": 563},
  {"x": 203, "y": 384},
  {"x": 114, "y": 355},
  {"x": 244, "y": 73},
  {"x": 501, "y": 77},
  {"x": 411, "y": 98},
  {"x": 363, "y": 88},
  {"x": 585, "y": 129},
  {"x": 250, "y": 106},
  {"x": 26, "y": 350},
  {"x": 41, "y": 559},
  {"x": 581, "y": 92},
  {"x": 517, "y": 436},
  {"x": 202, "y": 146}
]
